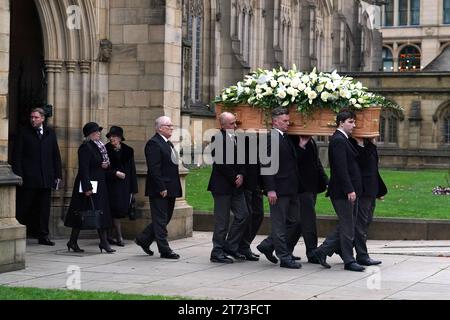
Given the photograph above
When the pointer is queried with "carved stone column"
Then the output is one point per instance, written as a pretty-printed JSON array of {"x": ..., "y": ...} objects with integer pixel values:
[
  {"x": 85, "y": 69},
  {"x": 52, "y": 67},
  {"x": 12, "y": 234}
]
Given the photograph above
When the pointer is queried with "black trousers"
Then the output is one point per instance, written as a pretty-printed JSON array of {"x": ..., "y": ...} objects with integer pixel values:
[
  {"x": 366, "y": 208},
  {"x": 225, "y": 239},
  {"x": 161, "y": 210},
  {"x": 342, "y": 238},
  {"x": 33, "y": 210},
  {"x": 306, "y": 227},
  {"x": 284, "y": 216},
  {"x": 255, "y": 206}
]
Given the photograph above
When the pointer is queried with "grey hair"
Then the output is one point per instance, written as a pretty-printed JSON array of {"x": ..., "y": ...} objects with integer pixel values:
[
  {"x": 159, "y": 122},
  {"x": 279, "y": 112},
  {"x": 38, "y": 110}
]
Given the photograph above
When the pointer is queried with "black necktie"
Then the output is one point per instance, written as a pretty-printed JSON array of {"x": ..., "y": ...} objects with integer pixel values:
[
  {"x": 170, "y": 144},
  {"x": 39, "y": 133}
]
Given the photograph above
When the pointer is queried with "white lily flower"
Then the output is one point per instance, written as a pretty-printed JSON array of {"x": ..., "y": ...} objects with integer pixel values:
[
  {"x": 292, "y": 92},
  {"x": 305, "y": 79},
  {"x": 353, "y": 101},
  {"x": 281, "y": 94},
  {"x": 320, "y": 88},
  {"x": 274, "y": 83},
  {"x": 325, "y": 96},
  {"x": 301, "y": 86},
  {"x": 312, "y": 95}
]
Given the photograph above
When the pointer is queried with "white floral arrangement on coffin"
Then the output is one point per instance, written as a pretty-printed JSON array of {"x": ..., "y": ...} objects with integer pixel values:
[{"x": 268, "y": 89}]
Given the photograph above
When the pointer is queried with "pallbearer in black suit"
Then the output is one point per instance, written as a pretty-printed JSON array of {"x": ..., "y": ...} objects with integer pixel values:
[
  {"x": 225, "y": 184},
  {"x": 37, "y": 160},
  {"x": 343, "y": 189},
  {"x": 162, "y": 187},
  {"x": 373, "y": 188},
  {"x": 313, "y": 180},
  {"x": 253, "y": 196},
  {"x": 282, "y": 191}
]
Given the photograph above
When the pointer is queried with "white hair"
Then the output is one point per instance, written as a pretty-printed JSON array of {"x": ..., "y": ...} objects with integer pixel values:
[{"x": 159, "y": 122}]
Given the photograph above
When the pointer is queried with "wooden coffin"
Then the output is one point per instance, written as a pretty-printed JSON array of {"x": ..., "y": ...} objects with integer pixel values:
[{"x": 320, "y": 123}]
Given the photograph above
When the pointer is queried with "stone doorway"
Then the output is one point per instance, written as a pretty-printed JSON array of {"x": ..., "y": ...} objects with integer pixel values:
[{"x": 27, "y": 84}]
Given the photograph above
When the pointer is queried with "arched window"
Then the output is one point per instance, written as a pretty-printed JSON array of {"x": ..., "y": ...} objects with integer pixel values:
[
  {"x": 388, "y": 62},
  {"x": 409, "y": 59},
  {"x": 389, "y": 121},
  {"x": 192, "y": 51},
  {"x": 446, "y": 126}
]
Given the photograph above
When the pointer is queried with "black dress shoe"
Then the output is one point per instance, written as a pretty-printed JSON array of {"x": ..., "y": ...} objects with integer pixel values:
[
  {"x": 354, "y": 267},
  {"x": 46, "y": 242},
  {"x": 313, "y": 260},
  {"x": 250, "y": 256},
  {"x": 268, "y": 253},
  {"x": 291, "y": 264},
  {"x": 222, "y": 259},
  {"x": 236, "y": 255},
  {"x": 144, "y": 247},
  {"x": 170, "y": 255},
  {"x": 296, "y": 258},
  {"x": 368, "y": 262},
  {"x": 321, "y": 258}
]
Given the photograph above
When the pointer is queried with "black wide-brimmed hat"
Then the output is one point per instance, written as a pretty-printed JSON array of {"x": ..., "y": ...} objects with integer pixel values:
[
  {"x": 116, "y": 131},
  {"x": 91, "y": 127}
]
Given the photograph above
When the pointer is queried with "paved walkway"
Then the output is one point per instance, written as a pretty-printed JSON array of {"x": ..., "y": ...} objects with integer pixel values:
[{"x": 410, "y": 270}]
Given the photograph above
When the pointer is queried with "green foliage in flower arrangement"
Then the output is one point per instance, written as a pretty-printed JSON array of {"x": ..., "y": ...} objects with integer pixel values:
[{"x": 267, "y": 89}]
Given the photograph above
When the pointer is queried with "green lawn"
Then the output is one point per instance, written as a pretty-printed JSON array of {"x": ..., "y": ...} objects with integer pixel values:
[
  {"x": 409, "y": 194},
  {"x": 11, "y": 293}
]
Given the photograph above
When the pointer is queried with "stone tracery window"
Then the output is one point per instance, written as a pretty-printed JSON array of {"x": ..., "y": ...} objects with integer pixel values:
[
  {"x": 192, "y": 51},
  {"x": 389, "y": 122},
  {"x": 242, "y": 30}
]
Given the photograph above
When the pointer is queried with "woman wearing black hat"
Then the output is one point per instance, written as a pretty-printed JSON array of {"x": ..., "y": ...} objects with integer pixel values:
[
  {"x": 122, "y": 182},
  {"x": 93, "y": 164}
]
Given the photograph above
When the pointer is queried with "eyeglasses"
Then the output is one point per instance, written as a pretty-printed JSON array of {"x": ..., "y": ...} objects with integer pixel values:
[{"x": 170, "y": 126}]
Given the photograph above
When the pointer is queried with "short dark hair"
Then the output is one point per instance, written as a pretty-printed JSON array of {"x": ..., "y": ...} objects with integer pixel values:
[
  {"x": 279, "y": 112},
  {"x": 343, "y": 115},
  {"x": 38, "y": 110}
]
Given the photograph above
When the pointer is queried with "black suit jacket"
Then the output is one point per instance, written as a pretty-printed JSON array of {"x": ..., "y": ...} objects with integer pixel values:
[
  {"x": 253, "y": 180},
  {"x": 37, "y": 161},
  {"x": 345, "y": 172},
  {"x": 312, "y": 175},
  {"x": 224, "y": 173},
  {"x": 372, "y": 183},
  {"x": 162, "y": 172},
  {"x": 286, "y": 180}
]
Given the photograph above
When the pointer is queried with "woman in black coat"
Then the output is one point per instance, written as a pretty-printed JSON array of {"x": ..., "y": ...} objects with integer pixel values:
[
  {"x": 122, "y": 180},
  {"x": 93, "y": 165}
]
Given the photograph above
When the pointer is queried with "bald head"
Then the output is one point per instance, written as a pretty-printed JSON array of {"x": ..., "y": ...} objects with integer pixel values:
[{"x": 227, "y": 121}]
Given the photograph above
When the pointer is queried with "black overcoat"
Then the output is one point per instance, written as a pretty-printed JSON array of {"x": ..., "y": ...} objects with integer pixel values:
[
  {"x": 119, "y": 190},
  {"x": 90, "y": 169},
  {"x": 37, "y": 161}
]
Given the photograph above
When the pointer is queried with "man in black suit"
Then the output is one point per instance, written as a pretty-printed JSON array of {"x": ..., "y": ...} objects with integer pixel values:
[
  {"x": 225, "y": 184},
  {"x": 282, "y": 191},
  {"x": 38, "y": 161},
  {"x": 253, "y": 196},
  {"x": 373, "y": 188},
  {"x": 313, "y": 180},
  {"x": 344, "y": 188},
  {"x": 162, "y": 187}
]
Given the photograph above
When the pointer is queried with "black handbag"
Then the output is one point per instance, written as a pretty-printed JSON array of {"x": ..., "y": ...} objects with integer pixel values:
[
  {"x": 132, "y": 208},
  {"x": 87, "y": 219}
]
